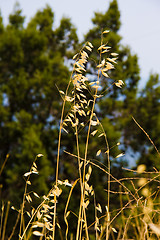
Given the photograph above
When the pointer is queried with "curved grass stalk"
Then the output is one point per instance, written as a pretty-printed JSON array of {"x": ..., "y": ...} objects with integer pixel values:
[
  {"x": 58, "y": 156},
  {"x": 68, "y": 200},
  {"x": 23, "y": 201}
]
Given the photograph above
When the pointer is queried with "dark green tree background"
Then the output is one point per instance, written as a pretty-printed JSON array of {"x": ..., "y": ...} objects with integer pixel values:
[{"x": 31, "y": 66}]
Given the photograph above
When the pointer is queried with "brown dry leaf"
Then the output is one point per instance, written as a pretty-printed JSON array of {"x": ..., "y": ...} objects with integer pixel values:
[
  {"x": 112, "y": 60},
  {"x": 78, "y": 70},
  {"x": 106, "y": 50},
  {"x": 87, "y": 186},
  {"x": 102, "y": 134},
  {"x": 81, "y": 164},
  {"x": 98, "y": 153},
  {"x": 119, "y": 83},
  {"x": 38, "y": 215},
  {"x": 114, "y": 54},
  {"x": 40, "y": 224},
  {"x": 60, "y": 182},
  {"x": 36, "y": 195},
  {"x": 65, "y": 130},
  {"x": 107, "y": 151},
  {"x": 114, "y": 230},
  {"x": 78, "y": 89},
  {"x": 99, "y": 65},
  {"x": 94, "y": 123},
  {"x": 69, "y": 99},
  {"x": 36, "y": 233},
  {"x": 67, "y": 214},
  {"x": 105, "y": 69},
  {"x": 92, "y": 193},
  {"x": 91, "y": 83},
  {"x": 109, "y": 66},
  {"x": 86, "y": 193},
  {"x": 103, "y": 62},
  {"x": 40, "y": 155},
  {"x": 61, "y": 92},
  {"x": 48, "y": 216},
  {"x": 83, "y": 112},
  {"x": 32, "y": 212},
  {"x": 71, "y": 115},
  {"x": 94, "y": 132},
  {"x": 34, "y": 164},
  {"x": 88, "y": 48},
  {"x": 35, "y": 172},
  {"x": 58, "y": 225},
  {"x": 101, "y": 47},
  {"x": 80, "y": 113},
  {"x": 27, "y": 198},
  {"x": 105, "y": 74},
  {"x": 28, "y": 214},
  {"x": 96, "y": 86},
  {"x": 87, "y": 176},
  {"x": 90, "y": 44},
  {"x": 86, "y": 204},
  {"x": 89, "y": 169},
  {"x": 90, "y": 189},
  {"x": 27, "y": 174},
  {"x": 34, "y": 169},
  {"x": 98, "y": 207},
  {"x": 84, "y": 54},
  {"x": 120, "y": 155},
  {"x": 75, "y": 56},
  {"x": 58, "y": 191},
  {"x": 106, "y": 31},
  {"x": 82, "y": 95}
]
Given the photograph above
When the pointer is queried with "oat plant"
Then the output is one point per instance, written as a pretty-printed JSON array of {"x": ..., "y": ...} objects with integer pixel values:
[{"x": 81, "y": 96}]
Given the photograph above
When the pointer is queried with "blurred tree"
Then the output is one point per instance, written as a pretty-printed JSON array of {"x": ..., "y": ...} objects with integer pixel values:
[
  {"x": 31, "y": 66},
  {"x": 147, "y": 115}
]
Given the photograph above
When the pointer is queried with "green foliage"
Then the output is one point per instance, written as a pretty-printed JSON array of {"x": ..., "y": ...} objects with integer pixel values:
[
  {"x": 147, "y": 114},
  {"x": 111, "y": 19},
  {"x": 31, "y": 68}
]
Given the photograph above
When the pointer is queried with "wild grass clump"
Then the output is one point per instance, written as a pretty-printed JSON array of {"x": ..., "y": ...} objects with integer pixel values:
[{"x": 136, "y": 217}]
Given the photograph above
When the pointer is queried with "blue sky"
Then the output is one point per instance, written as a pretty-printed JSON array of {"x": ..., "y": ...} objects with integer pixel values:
[{"x": 140, "y": 23}]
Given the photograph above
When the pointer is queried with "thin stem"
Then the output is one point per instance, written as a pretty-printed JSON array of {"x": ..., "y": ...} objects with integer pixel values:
[
  {"x": 5, "y": 221},
  {"x": 85, "y": 157},
  {"x": 58, "y": 156},
  {"x": 4, "y": 163},
  {"x": 23, "y": 202},
  {"x": 2, "y": 214}
]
